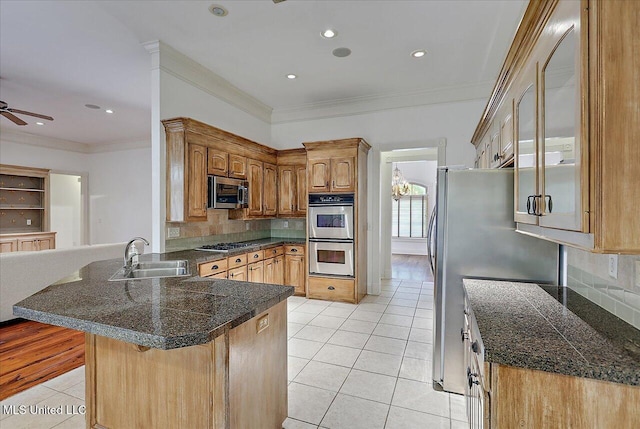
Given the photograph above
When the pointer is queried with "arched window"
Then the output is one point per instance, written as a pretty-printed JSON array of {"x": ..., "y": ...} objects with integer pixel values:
[{"x": 409, "y": 213}]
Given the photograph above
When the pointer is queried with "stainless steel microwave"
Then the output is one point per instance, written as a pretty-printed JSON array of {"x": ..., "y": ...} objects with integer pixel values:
[{"x": 225, "y": 193}]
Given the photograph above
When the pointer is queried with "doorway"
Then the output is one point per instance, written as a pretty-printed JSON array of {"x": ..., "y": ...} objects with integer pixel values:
[{"x": 67, "y": 209}]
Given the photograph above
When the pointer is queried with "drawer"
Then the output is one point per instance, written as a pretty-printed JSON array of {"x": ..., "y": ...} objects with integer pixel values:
[
  {"x": 273, "y": 251},
  {"x": 237, "y": 260},
  {"x": 332, "y": 289},
  {"x": 255, "y": 256},
  {"x": 209, "y": 268},
  {"x": 294, "y": 249}
]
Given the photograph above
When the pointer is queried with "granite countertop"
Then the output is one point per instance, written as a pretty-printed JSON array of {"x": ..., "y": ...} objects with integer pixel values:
[
  {"x": 162, "y": 313},
  {"x": 553, "y": 329}
]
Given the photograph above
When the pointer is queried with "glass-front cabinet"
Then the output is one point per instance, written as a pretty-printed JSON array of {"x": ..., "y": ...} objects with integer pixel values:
[{"x": 549, "y": 177}]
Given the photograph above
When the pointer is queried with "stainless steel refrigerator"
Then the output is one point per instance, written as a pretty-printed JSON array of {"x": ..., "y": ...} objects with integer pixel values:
[{"x": 472, "y": 234}]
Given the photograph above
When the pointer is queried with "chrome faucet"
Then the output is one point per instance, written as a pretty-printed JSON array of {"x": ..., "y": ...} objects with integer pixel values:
[{"x": 131, "y": 252}]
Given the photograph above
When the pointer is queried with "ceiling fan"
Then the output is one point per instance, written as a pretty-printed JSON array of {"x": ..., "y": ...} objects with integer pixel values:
[{"x": 8, "y": 113}]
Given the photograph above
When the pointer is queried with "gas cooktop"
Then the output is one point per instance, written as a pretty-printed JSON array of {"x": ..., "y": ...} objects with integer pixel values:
[{"x": 223, "y": 247}]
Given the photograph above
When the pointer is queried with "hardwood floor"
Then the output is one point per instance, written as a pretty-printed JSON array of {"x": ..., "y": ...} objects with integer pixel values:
[
  {"x": 410, "y": 267},
  {"x": 32, "y": 353}
]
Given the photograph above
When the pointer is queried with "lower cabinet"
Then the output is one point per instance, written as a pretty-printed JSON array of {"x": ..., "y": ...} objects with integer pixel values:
[
  {"x": 239, "y": 274},
  {"x": 295, "y": 268},
  {"x": 255, "y": 272},
  {"x": 27, "y": 242},
  {"x": 274, "y": 270},
  {"x": 332, "y": 289}
]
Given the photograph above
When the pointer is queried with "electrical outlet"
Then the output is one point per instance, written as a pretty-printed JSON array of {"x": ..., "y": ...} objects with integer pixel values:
[
  {"x": 613, "y": 266},
  {"x": 28, "y": 221},
  {"x": 173, "y": 232},
  {"x": 247, "y": 226},
  {"x": 285, "y": 224}
]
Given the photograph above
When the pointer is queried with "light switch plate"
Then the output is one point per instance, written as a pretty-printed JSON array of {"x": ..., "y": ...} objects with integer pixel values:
[
  {"x": 285, "y": 224},
  {"x": 28, "y": 221},
  {"x": 173, "y": 232},
  {"x": 613, "y": 266}
]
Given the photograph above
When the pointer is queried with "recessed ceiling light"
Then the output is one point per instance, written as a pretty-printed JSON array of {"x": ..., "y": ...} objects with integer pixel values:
[
  {"x": 109, "y": 111},
  {"x": 329, "y": 33},
  {"x": 91, "y": 106},
  {"x": 291, "y": 76},
  {"x": 39, "y": 123},
  {"x": 342, "y": 52},
  {"x": 419, "y": 53},
  {"x": 218, "y": 10}
]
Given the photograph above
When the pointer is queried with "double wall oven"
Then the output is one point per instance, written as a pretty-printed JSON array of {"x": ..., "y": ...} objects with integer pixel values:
[{"x": 331, "y": 235}]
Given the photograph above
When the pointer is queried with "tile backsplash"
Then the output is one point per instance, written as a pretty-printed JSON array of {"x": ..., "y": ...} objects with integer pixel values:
[
  {"x": 588, "y": 274},
  {"x": 219, "y": 229}
]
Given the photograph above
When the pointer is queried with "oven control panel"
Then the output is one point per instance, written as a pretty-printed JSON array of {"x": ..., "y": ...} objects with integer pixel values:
[{"x": 326, "y": 199}]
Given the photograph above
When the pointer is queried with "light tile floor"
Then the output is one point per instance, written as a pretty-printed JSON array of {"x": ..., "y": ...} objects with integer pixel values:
[{"x": 350, "y": 366}]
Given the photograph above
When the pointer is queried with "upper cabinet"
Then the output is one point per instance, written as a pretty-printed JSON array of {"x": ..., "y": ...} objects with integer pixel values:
[
  {"x": 332, "y": 174},
  {"x": 570, "y": 83},
  {"x": 292, "y": 183}
]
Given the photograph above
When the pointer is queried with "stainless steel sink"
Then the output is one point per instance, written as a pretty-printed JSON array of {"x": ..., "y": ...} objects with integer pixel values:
[{"x": 153, "y": 270}]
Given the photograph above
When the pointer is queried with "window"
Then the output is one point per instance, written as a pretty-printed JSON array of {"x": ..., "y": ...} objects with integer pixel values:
[{"x": 409, "y": 213}]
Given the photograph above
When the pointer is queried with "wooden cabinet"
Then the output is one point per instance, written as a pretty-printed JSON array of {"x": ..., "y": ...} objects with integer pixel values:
[
  {"x": 332, "y": 289},
  {"x": 24, "y": 209},
  {"x": 292, "y": 183},
  {"x": 332, "y": 175},
  {"x": 295, "y": 271},
  {"x": 255, "y": 272},
  {"x": 573, "y": 87},
  {"x": 197, "y": 182},
  {"x": 238, "y": 273},
  {"x": 207, "y": 269},
  {"x": 237, "y": 166},
  {"x": 217, "y": 162},
  {"x": 255, "y": 178},
  {"x": 270, "y": 190},
  {"x": 274, "y": 270}
]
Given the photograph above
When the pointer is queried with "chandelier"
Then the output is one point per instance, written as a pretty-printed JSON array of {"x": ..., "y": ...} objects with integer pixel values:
[{"x": 399, "y": 185}]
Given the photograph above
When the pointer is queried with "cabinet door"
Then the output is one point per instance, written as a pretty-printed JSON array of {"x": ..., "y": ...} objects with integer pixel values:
[
  {"x": 294, "y": 272},
  {"x": 45, "y": 244},
  {"x": 197, "y": 182},
  {"x": 494, "y": 153},
  {"x": 301, "y": 197},
  {"x": 239, "y": 274},
  {"x": 319, "y": 175},
  {"x": 254, "y": 176},
  {"x": 269, "y": 270},
  {"x": 278, "y": 272},
  {"x": 286, "y": 189},
  {"x": 343, "y": 174},
  {"x": 506, "y": 134},
  {"x": 560, "y": 152},
  {"x": 27, "y": 244},
  {"x": 217, "y": 162},
  {"x": 270, "y": 190},
  {"x": 255, "y": 273},
  {"x": 526, "y": 200},
  {"x": 237, "y": 166},
  {"x": 8, "y": 245}
]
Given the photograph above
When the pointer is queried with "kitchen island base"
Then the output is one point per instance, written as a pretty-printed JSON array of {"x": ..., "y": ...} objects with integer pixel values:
[{"x": 238, "y": 380}]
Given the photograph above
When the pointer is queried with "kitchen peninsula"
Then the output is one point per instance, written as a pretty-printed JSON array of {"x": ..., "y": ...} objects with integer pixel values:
[{"x": 176, "y": 351}]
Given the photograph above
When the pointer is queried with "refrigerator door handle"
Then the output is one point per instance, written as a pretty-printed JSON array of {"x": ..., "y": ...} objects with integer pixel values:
[{"x": 430, "y": 243}]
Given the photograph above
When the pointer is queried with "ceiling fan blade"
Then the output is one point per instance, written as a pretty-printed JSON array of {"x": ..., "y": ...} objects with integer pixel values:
[
  {"x": 37, "y": 115},
  {"x": 13, "y": 118}
]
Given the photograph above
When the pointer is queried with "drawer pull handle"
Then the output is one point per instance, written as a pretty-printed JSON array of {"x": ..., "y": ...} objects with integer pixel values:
[
  {"x": 294, "y": 250},
  {"x": 238, "y": 260},
  {"x": 331, "y": 288},
  {"x": 215, "y": 267},
  {"x": 256, "y": 256}
]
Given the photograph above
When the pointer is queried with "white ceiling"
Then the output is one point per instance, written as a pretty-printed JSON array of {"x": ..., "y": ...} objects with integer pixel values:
[{"x": 57, "y": 56}]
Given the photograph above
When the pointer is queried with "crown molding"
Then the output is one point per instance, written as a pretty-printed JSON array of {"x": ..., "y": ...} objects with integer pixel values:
[
  {"x": 375, "y": 103},
  {"x": 182, "y": 67},
  {"x": 20, "y": 137}
]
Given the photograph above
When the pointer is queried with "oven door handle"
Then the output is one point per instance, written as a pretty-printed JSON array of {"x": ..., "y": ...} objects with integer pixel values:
[
  {"x": 331, "y": 205},
  {"x": 331, "y": 240}
]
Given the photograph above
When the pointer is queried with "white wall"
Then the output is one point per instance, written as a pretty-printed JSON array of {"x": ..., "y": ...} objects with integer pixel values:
[{"x": 66, "y": 209}]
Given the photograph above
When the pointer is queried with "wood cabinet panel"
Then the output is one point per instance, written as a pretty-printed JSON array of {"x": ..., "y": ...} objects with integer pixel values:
[
  {"x": 294, "y": 249},
  {"x": 255, "y": 256},
  {"x": 255, "y": 177},
  {"x": 239, "y": 274},
  {"x": 38, "y": 242},
  {"x": 8, "y": 245},
  {"x": 197, "y": 182},
  {"x": 286, "y": 189},
  {"x": 343, "y": 174},
  {"x": 273, "y": 252},
  {"x": 301, "y": 196},
  {"x": 237, "y": 260},
  {"x": 332, "y": 289},
  {"x": 270, "y": 190},
  {"x": 210, "y": 268},
  {"x": 217, "y": 162},
  {"x": 274, "y": 270},
  {"x": 295, "y": 271},
  {"x": 319, "y": 175},
  {"x": 237, "y": 166},
  {"x": 220, "y": 275},
  {"x": 255, "y": 272}
]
